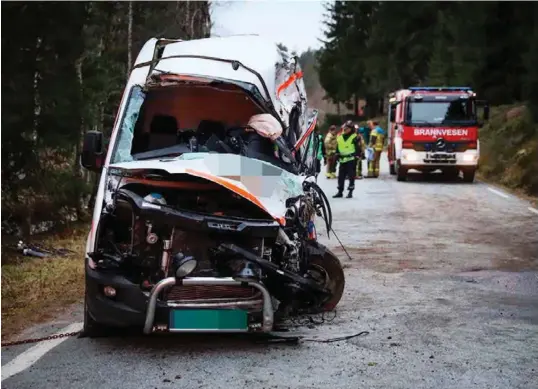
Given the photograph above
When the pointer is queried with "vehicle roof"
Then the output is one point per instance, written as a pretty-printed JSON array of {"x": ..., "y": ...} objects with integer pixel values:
[{"x": 256, "y": 52}]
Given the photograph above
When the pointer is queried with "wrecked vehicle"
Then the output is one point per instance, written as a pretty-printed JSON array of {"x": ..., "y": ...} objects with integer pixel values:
[{"x": 206, "y": 213}]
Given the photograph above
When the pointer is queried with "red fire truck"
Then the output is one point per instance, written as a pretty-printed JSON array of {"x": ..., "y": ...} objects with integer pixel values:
[{"x": 434, "y": 128}]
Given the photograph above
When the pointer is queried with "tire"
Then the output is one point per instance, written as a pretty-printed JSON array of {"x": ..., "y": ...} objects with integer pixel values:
[
  {"x": 450, "y": 173},
  {"x": 468, "y": 175},
  {"x": 401, "y": 173},
  {"x": 336, "y": 280},
  {"x": 392, "y": 169}
]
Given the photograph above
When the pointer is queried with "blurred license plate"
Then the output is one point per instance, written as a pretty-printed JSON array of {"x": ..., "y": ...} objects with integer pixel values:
[
  {"x": 208, "y": 320},
  {"x": 440, "y": 156}
]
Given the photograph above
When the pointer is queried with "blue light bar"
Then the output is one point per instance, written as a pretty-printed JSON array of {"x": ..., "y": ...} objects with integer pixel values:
[{"x": 439, "y": 88}]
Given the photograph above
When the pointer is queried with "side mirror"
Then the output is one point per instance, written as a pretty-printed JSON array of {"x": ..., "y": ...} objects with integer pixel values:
[
  {"x": 392, "y": 113},
  {"x": 486, "y": 112},
  {"x": 92, "y": 156}
]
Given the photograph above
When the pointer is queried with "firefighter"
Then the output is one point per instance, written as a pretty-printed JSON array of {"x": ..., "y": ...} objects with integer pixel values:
[
  {"x": 376, "y": 142},
  {"x": 358, "y": 174},
  {"x": 348, "y": 151},
  {"x": 330, "y": 152},
  {"x": 364, "y": 133}
]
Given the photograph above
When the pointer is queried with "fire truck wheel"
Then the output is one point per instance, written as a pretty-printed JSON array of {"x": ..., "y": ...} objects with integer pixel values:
[
  {"x": 401, "y": 173},
  {"x": 468, "y": 175},
  {"x": 451, "y": 173},
  {"x": 392, "y": 169}
]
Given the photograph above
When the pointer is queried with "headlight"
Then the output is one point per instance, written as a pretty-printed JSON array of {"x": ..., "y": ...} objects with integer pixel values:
[
  {"x": 184, "y": 265},
  {"x": 410, "y": 155},
  {"x": 470, "y": 157}
]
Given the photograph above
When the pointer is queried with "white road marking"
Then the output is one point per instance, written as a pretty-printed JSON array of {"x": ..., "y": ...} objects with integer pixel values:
[
  {"x": 533, "y": 210},
  {"x": 23, "y": 361},
  {"x": 498, "y": 193}
]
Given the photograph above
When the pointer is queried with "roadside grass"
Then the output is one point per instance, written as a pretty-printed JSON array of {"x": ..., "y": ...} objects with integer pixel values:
[{"x": 36, "y": 289}]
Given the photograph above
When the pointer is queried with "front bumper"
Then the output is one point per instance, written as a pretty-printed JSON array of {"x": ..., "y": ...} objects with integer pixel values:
[
  {"x": 411, "y": 158},
  {"x": 133, "y": 307}
]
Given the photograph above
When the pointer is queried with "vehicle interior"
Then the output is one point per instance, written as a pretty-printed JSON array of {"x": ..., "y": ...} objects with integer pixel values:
[{"x": 199, "y": 118}]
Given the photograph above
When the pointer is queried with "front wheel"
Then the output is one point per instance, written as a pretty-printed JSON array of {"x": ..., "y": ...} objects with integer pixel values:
[
  {"x": 392, "y": 169},
  {"x": 401, "y": 173},
  {"x": 328, "y": 270},
  {"x": 468, "y": 175}
]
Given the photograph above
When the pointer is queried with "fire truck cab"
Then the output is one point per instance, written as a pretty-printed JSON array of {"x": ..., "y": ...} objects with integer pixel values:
[{"x": 434, "y": 128}]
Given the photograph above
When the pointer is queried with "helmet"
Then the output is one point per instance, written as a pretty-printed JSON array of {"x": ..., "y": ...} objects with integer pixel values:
[{"x": 349, "y": 124}]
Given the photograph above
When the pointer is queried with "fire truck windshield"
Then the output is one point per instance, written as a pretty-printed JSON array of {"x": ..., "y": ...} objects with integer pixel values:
[{"x": 457, "y": 111}]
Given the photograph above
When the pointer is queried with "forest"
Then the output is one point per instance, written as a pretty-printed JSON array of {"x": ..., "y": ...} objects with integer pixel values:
[
  {"x": 65, "y": 65},
  {"x": 375, "y": 47},
  {"x": 64, "y": 68}
]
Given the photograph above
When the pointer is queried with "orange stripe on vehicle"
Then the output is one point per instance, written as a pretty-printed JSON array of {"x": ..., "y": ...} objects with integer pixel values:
[
  {"x": 289, "y": 81},
  {"x": 234, "y": 188},
  {"x": 306, "y": 134}
]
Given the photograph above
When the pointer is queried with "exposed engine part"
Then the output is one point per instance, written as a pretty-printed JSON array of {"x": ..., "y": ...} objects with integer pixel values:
[
  {"x": 283, "y": 238},
  {"x": 224, "y": 235},
  {"x": 151, "y": 237},
  {"x": 290, "y": 249},
  {"x": 165, "y": 261},
  {"x": 273, "y": 268}
]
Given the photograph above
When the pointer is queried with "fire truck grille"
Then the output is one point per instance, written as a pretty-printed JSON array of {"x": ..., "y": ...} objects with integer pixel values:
[
  {"x": 451, "y": 147},
  {"x": 209, "y": 292}
]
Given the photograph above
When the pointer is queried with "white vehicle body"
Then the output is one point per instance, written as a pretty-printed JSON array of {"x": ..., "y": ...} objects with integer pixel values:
[
  {"x": 278, "y": 81},
  {"x": 204, "y": 216}
]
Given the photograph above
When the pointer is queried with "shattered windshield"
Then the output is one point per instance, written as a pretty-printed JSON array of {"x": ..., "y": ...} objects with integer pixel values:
[
  {"x": 122, "y": 151},
  {"x": 442, "y": 112},
  {"x": 219, "y": 118}
]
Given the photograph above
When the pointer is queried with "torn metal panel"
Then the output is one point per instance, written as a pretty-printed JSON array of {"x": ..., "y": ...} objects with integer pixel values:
[{"x": 250, "y": 178}]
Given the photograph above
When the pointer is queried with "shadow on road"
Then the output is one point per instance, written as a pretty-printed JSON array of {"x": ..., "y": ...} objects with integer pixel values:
[
  {"x": 418, "y": 177},
  {"x": 134, "y": 339}
]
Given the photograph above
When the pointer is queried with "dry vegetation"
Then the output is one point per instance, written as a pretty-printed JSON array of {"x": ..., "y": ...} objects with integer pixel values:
[
  {"x": 35, "y": 289},
  {"x": 509, "y": 149}
]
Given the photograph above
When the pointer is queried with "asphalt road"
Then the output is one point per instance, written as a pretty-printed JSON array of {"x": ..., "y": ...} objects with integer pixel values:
[{"x": 443, "y": 276}]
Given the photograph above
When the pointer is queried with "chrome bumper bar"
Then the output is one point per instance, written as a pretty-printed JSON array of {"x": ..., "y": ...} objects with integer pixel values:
[{"x": 268, "y": 316}]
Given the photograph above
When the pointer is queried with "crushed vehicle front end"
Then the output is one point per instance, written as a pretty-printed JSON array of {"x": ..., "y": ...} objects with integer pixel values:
[
  {"x": 160, "y": 256},
  {"x": 204, "y": 219},
  {"x": 185, "y": 250}
]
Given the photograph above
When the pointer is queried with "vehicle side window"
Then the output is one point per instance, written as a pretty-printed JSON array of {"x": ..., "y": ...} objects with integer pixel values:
[{"x": 124, "y": 140}]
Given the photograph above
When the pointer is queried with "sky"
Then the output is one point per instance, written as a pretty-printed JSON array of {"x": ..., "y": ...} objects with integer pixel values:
[{"x": 298, "y": 24}]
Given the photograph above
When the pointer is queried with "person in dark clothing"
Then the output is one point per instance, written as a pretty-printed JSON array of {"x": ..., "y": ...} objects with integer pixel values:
[{"x": 348, "y": 152}]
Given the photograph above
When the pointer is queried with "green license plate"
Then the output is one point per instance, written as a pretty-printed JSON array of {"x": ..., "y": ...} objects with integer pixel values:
[{"x": 208, "y": 320}]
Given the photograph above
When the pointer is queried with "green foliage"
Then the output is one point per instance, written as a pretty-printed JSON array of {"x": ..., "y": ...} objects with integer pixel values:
[
  {"x": 65, "y": 66},
  {"x": 372, "y": 48}
]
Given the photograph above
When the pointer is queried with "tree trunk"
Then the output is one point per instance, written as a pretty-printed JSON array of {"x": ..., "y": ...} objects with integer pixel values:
[
  {"x": 187, "y": 19},
  {"x": 37, "y": 100},
  {"x": 77, "y": 172},
  {"x": 129, "y": 39}
]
